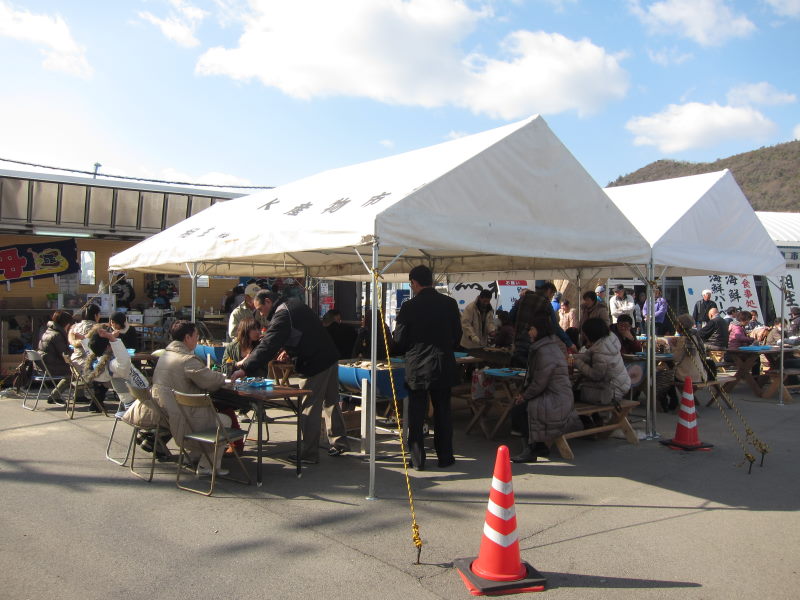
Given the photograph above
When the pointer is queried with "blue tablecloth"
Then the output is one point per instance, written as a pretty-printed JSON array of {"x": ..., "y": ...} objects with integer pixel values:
[
  {"x": 350, "y": 379},
  {"x": 216, "y": 353}
]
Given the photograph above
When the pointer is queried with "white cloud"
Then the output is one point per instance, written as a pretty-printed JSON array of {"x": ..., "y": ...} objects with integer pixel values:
[
  {"x": 454, "y": 135},
  {"x": 796, "y": 132},
  {"x": 758, "y": 93},
  {"x": 785, "y": 8},
  {"x": 668, "y": 56},
  {"x": 51, "y": 33},
  {"x": 694, "y": 125},
  {"x": 707, "y": 22},
  {"x": 548, "y": 73},
  {"x": 386, "y": 143},
  {"x": 558, "y": 5},
  {"x": 410, "y": 53},
  {"x": 180, "y": 24}
]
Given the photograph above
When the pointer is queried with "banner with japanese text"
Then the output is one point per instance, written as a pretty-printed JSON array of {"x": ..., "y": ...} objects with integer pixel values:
[
  {"x": 38, "y": 260},
  {"x": 505, "y": 293},
  {"x": 791, "y": 299},
  {"x": 726, "y": 290}
]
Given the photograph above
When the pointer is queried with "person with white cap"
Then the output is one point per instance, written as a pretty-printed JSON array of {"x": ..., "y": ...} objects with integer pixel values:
[
  {"x": 245, "y": 309},
  {"x": 600, "y": 290},
  {"x": 701, "y": 308},
  {"x": 620, "y": 304}
]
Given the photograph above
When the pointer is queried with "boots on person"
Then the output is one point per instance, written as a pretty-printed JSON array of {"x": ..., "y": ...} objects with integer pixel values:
[{"x": 528, "y": 454}]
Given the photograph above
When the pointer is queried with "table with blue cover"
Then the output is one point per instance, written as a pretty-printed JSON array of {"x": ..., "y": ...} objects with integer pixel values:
[
  {"x": 510, "y": 381},
  {"x": 745, "y": 358},
  {"x": 215, "y": 352}
]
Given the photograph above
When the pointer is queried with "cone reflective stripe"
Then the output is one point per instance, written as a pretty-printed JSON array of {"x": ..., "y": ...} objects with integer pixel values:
[
  {"x": 498, "y": 568},
  {"x": 686, "y": 435}
]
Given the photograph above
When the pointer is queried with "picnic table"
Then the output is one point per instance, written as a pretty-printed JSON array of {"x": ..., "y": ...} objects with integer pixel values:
[
  {"x": 258, "y": 399},
  {"x": 509, "y": 380},
  {"x": 746, "y": 357}
]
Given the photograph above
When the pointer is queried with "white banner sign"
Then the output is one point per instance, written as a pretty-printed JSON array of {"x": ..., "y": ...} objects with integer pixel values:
[
  {"x": 504, "y": 293},
  {"x": 726, "y": 290},
  {"x": 791, "y": 279}
]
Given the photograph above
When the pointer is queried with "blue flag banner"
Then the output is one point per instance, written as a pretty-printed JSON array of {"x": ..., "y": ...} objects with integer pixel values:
[{"x": 38, "y": 260}]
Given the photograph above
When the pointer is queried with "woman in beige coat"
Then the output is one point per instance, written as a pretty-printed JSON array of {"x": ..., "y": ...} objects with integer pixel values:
[
  {"x": 180, "y": 370},
  {"x": 688, "y": 353}
]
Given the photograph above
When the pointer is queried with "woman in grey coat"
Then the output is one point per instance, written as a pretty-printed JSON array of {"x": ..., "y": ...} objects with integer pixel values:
[{"x": 545, "y": 409}]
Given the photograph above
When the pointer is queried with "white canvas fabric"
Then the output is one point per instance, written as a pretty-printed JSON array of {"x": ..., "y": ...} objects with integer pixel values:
[
  {"x": 508, "y": 199},
  {"x": 699, "y": 224}
]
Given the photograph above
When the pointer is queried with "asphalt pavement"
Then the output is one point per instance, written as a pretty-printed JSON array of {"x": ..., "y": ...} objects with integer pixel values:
[{"x": 621, "y": 520}]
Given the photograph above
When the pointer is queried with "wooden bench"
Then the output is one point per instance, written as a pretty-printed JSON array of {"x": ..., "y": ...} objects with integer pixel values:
[
  {"x": 771, "y": 389},
  {"x": 722, "y": 383},
  {"x": 619, "y": 421}
]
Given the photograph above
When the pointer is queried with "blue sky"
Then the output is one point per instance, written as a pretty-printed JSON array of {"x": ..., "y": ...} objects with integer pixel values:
[{"x": 265, "y": 92}]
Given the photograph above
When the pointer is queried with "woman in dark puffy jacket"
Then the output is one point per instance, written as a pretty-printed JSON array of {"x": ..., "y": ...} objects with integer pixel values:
[
  {"x": 55, "y": 349},
  {"x": 546, "y": 407}
]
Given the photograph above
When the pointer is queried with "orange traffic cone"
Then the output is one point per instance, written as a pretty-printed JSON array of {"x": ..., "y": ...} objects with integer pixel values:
[
  {"x": 498, "y": 568},
  {"x": 686, "y": 437}
]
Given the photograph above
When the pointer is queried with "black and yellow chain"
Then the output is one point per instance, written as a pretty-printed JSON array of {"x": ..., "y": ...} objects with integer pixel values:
[
  {"x": 717, "y": 394},
  {"x": 415, "y": 536}
]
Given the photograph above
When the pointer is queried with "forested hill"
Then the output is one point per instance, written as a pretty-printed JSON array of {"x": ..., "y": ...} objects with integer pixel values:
[{"x": 769, "y": 177}]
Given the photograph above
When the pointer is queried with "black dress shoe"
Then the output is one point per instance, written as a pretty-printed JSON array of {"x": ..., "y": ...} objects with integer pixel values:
[
  {"x": 443, "y": 464},
  {"x": 526, "y": 456},
  {"x": 541, "y": 449}
]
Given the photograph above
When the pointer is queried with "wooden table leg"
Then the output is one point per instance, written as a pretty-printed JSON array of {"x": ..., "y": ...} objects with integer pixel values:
[
  {"x": 744, "y": 367},
  {"x": 502, "y": 419}
]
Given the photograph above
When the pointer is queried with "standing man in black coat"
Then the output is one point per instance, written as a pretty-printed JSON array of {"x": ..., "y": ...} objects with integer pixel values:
[
  {"x": 428, "y": 331},
  {"x": 295, "y": 329}
]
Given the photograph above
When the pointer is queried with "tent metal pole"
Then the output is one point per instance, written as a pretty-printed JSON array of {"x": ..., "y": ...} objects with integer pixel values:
[
  {"x": 783, "y": 308},
  {"x": 192, "y": 268},
  {"x": 373, "y": 357},
  {"x": 652, "y": 391}
]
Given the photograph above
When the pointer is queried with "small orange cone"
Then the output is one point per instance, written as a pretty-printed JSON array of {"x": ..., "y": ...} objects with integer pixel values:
[
  {"x": 498, "y": 568},
  {"x": 686, "y": 437}
]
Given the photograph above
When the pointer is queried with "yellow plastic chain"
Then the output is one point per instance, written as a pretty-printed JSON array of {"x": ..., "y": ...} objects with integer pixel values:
[{"x": 415, "y": 536}]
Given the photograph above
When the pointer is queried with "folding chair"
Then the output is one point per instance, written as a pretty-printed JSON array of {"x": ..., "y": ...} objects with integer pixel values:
[
  {"x": 41, "y": 374},
  {"x": 78, "y": 383},
  {"x": 218, "y": 437},
  {"x": 162, "y": 426}
]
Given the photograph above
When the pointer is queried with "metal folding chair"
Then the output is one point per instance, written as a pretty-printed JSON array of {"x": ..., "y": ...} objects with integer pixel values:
[
  {"x": 78, "y": 383},
  {"x": 218, "y": 438},
  {"x": 41, "y": 375},
  {"x": 162, "y": 426}
]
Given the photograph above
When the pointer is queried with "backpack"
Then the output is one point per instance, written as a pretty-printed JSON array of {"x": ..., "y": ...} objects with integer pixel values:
[{"x": 21, "y": 376}]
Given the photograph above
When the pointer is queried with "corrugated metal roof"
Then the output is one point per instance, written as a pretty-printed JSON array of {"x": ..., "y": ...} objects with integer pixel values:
[{"x": 783, "y": 227}]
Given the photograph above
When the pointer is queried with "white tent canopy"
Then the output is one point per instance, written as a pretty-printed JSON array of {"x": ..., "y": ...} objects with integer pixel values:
[
  {"x": 508, "y": 199},
  {"x": 699, "y": 224}
]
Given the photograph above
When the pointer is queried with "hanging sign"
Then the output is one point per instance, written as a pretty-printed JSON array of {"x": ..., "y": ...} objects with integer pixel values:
[
  {"x": 726, "y": 290},
  {"x": 788, "y": 278},
  {"x": 24, "y": 261}
]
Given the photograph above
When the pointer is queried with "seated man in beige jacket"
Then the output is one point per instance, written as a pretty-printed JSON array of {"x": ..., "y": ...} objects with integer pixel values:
[{"x": 181, "y": 370}]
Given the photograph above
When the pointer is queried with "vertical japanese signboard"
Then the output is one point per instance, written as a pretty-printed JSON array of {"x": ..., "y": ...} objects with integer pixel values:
[
  {"x": 726, "y": 290},
  {"x": 789, "y": 279}
]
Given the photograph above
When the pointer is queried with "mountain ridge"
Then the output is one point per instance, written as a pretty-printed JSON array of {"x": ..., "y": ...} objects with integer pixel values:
[{"x": 768, "y": 176}]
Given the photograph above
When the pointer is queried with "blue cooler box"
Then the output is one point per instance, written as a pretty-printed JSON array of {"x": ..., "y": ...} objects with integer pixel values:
[{"x": 350, "y": 380}]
